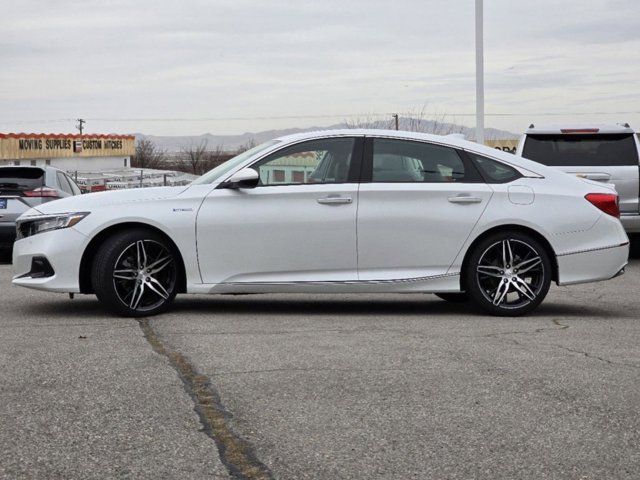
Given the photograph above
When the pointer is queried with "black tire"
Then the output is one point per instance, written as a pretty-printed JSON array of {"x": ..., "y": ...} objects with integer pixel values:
[
  {"x": 135, "y": 273},
  {"x": 454, "y": 297},
  {"x": 508, "y": 274}
]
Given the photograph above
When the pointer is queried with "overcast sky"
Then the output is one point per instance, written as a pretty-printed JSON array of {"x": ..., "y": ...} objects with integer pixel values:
[{"x": 238, "y": 62}]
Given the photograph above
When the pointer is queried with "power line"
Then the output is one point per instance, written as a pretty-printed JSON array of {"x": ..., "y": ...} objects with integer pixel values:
[{"x": 318, "y": 116}]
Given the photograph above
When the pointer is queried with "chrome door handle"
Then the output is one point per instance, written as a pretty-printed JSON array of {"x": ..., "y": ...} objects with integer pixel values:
[
  {"x": 334, "y": 200},
  {"x": 600, "y": 177},
  {"x": 464, "y": 199}
]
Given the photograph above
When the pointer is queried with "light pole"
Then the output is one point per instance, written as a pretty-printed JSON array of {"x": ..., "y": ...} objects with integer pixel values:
[{"x": 479, "y": 75}]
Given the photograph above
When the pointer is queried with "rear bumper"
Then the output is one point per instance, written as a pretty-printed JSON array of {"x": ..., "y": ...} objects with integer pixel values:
[
  {"x": 592, "y": 265},
  {"x": 630, "y": 222},
  {"x": 7, "y": 234}
]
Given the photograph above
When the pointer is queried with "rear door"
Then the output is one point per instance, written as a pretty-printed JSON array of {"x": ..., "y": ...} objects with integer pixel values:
[
  {"x": 608, "y": 158},
  {"x": 417, "y": 205}
]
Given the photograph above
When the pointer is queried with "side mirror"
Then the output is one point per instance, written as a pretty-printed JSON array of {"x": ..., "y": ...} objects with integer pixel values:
[{"x": 245, "y": 178}]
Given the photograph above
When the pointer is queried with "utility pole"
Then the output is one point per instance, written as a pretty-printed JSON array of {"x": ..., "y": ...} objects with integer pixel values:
[
  {"x": 479, "y": 74},
  {"x": 81, "y": 122},
  {"x": 395, "y": 116}
]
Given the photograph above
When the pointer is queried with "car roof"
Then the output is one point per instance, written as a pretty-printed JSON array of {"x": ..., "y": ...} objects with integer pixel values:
[{"x": 578, "y": 128}]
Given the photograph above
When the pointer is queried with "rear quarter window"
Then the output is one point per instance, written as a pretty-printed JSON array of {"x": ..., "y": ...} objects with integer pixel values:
[
  {"x": 585, "y": 150},
  {"x": 493, "y": 171}
]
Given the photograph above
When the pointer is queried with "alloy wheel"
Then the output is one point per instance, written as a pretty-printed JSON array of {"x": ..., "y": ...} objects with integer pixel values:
[
  {"x": 510, "y": 274},
  {"x": 144, "y": 275}
]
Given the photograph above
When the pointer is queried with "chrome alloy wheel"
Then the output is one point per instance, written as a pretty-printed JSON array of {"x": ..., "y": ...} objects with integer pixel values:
[
  {"x": 510, "y": 274},
  {"x": 144, "y": 275}
]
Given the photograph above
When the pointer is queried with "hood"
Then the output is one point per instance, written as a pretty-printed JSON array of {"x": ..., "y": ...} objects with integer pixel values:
[{"x": 90, "y": 201}]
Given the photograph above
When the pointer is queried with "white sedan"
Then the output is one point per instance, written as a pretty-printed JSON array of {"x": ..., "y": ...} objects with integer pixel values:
[{"x": 334, "y": 212}]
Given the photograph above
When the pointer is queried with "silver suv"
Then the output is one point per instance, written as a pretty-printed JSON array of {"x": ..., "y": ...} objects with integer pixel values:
[
  {"x": 605, "y": 153},
  {"x": 24, "y": 187}
]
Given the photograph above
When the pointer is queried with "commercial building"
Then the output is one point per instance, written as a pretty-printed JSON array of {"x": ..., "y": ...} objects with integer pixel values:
[{"x": 91, "y": 152}]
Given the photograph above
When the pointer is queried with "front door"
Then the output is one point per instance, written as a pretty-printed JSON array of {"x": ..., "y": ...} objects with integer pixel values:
[
  {"x": 417, "y": 210},
  {"x": 297, "y": 225}
]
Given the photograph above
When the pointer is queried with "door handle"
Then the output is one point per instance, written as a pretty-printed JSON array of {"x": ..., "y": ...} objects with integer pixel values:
[
  {"x": 600, "y": 177},
  {"x": 334, "y": 200},
  {"x": 464, "y": 199}
]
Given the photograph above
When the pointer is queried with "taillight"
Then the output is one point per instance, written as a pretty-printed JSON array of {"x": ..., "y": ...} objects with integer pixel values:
[
  {"x": 607, "y": 202},
  {"x": 42, "y": 192}
]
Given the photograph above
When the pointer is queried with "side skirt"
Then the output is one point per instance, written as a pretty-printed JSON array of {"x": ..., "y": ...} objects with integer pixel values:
[{"x": 449, "y": 282}]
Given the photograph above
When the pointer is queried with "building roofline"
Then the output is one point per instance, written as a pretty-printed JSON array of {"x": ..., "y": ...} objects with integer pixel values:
[{"x": 68, "y": 135}]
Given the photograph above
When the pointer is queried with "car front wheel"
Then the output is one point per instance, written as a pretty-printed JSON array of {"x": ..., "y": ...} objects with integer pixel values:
[
  {"x": 135, "y": 273},
  {"x": 508, "y": 274}
]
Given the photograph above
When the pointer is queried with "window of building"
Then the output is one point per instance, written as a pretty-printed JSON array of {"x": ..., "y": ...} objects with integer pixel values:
[
  {"x": 16, "y": 162},
  {"x": 33, "y": 163},
  {"x": 297, "y": 176},
  {"x": 278, "y": 176},
  {"x": 125, "y": 162},
  {"x": 47, "y": 162}
]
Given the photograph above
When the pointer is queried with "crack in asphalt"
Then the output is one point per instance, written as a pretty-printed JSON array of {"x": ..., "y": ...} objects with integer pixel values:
[
  {"x": 235, "y": 453},
  {"x": 596, "y": 357},
  {"x": 560, "y": 326}
]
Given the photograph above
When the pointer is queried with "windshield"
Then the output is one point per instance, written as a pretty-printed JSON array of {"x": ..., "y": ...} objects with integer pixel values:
[
  {"x": 221, "y": 170},
  {"x": 582, "y": 150}
]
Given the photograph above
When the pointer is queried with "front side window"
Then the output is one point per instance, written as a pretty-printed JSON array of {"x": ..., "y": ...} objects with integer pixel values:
[
  {"x": 410, "y": 161},
  {"x": 318, "y": 161}
]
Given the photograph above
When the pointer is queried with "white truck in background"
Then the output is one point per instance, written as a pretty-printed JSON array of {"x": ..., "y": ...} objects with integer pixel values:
[{"x": 605, "y": 153}]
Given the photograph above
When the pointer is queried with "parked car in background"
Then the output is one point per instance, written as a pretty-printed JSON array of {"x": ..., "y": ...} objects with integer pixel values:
[
  {"x": 22, "y": 188},
  {"x": 349, "y": 211},
  {"x": 604, "y": 153}
]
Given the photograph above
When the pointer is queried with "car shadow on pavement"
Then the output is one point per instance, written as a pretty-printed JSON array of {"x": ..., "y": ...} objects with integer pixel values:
[{"x": 253, "y": 305}]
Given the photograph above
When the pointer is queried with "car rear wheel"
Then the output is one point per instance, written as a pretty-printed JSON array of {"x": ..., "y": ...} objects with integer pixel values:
[
  {"x": 508, "y": 274},
  {"x": 135, "y": 273}
]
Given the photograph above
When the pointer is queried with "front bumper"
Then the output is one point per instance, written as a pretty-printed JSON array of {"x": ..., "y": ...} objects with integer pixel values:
[
  {"x": 592, "y": 265},
  {"x": 62, "y": 248}
]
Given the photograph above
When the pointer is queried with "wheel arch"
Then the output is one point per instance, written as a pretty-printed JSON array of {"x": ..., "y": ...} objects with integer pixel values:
[
  {"x": 512, "y": 228},
  {"x": 98, "y": 239}
]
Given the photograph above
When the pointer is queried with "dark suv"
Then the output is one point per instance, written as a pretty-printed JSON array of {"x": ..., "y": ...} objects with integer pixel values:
[{"x": 24, "y": 187}]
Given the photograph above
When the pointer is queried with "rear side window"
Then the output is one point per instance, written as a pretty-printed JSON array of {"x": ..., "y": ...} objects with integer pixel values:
[
  {"x": 21, "y": 178},
  {"x": 494, "y": 171},
  {"x": 574, "y": 150},
  {"x": 409, "y": 161},
  {"x": 64, "y": 184}
]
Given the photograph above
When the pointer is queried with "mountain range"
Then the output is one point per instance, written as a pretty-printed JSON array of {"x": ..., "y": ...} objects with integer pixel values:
[{"x": 177, "y": 143}]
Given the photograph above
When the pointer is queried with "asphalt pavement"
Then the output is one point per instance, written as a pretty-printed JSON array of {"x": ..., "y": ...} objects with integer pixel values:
[{"x": 322, "y": 387}]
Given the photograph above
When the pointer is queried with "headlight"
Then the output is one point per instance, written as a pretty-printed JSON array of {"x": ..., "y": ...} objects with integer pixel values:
[{"x": 28, "y": 226}]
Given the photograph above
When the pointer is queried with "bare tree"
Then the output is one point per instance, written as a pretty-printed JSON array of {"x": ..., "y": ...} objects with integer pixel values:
[
  {"x": 148, "y": 155},
  {"x": 196, "y": 157},
  {"x": 248, "y": 145},
  {"x": 417, "y": 120},
  {"x": 215, "y": 157}
]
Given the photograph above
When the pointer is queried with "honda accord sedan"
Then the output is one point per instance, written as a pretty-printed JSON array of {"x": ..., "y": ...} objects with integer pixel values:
[{"x": 346, "y": 211}]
